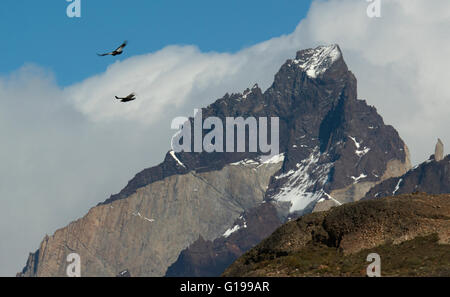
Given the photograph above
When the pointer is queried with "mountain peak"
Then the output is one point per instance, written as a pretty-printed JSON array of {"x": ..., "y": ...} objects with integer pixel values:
[
  {"x": 317, "y": 61},
  {"x": 331, "y": 145}
]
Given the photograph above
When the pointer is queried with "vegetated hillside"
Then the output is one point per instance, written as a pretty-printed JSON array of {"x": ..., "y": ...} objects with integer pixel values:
[{"x": 410, "y": 232}]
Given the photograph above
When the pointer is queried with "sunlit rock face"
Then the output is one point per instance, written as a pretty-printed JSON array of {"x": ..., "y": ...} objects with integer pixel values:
[{"x": 439, "y": 151}]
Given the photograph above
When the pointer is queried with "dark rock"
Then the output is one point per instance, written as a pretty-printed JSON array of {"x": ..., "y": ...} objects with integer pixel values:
[
  {"x": 210, "y": 258},
  {"x": 429, "y": 177}
]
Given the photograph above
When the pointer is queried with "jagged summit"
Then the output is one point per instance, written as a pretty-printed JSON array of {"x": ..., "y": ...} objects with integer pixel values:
[
  {"x": 331, "y": 146},
  {"x": 317, "y": 61}
]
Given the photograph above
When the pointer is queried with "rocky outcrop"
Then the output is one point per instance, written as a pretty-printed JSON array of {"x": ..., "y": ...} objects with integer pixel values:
[
  {"x": 439, "y": 151},
  {"x": 337, "y": 242},
  {"x": 333, "y": 147},
  {"x": 430, "y": 177}
]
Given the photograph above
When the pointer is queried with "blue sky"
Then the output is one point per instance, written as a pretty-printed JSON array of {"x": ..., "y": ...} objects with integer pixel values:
[{"x": 39, "y": 32}]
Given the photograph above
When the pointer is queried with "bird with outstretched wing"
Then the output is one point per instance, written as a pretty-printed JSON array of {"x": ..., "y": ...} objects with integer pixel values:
[
  {"x": 117, "y": 51},
  {"x": 130, "y": 97}
]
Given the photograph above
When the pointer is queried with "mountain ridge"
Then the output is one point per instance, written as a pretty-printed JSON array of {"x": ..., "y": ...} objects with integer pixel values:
[
  {"x": 431, "y": 176},
  {"x": 333, "y": 145}
]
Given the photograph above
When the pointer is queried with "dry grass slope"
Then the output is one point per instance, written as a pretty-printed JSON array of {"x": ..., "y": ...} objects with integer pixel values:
[{"x": 410, "y": 232}]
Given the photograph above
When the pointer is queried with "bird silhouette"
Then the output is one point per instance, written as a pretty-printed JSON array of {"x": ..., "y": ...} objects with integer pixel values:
[
  {"x": 128, "y": 98},
  {"x": 117, "y": 51}
]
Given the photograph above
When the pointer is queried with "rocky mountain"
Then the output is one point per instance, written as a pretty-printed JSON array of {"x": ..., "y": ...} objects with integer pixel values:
[
  {"x": 210, "y": 258},
  {"x": 410, "y": 232},
  {"x": 333, "y": 148},
  {"x": 431, "y": 177}
]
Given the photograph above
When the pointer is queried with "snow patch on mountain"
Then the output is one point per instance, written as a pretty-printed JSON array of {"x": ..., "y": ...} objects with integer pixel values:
[
  {"x": 245, "y": 162},
  {"x": 231, "y": 231},
  {"x": 264, "y": 160},
  {"x": 397, "y": 187},
  {"x": 138, "y": 214},
  {"x": 273, "y": 160},
  {"x": 235, "y": 228},
  {"x": 332, "y": 199},
  {"x": 359, "y": 152},
  {"x": 172, "y": 153},
  {"x": 357, "y": 179}
]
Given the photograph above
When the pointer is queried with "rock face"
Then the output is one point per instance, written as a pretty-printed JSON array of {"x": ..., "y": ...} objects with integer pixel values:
[
  {"x": 333, "y": 147},
  {"x": 337, "y": 242},
  {"x": 145, "y": 232},
  {"x": 439, "y": 151},
  {"x": 210, "y": 258},
  {"x": 430, "y": 177}
]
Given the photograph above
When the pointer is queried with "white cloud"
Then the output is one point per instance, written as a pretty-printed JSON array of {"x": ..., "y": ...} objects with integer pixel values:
[
  {"x": 172, "y": 79},
  {"x": 56, "y": 164},
  {"x": 400, "y": 61},
  {"x": 66, "y": 150}
]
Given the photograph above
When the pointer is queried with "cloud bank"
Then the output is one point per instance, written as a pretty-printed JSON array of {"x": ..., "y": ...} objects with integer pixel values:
[
  {"x": 399, "y": 60},
  {"x": 64, "y": 150},
  {"x": 55, "y": 163}
]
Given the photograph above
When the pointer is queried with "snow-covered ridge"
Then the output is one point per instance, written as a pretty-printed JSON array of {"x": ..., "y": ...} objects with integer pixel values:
[
  {"x": 318, "y": 60},
  {"x": 297, "y": 188},
  {"x": 247, "y": 92}
]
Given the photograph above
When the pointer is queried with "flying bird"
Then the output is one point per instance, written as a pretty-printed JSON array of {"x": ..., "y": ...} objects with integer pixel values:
[
  {"x": 130, "y": 97},
  {"x": 117, "y": 51}
]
